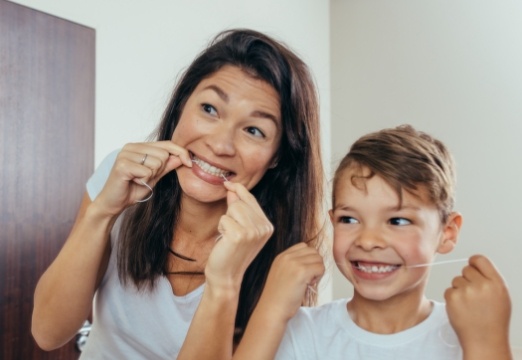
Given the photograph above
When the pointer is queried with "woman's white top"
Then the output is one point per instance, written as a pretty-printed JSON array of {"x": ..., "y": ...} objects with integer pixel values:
[{"x": 130, "y": 324}]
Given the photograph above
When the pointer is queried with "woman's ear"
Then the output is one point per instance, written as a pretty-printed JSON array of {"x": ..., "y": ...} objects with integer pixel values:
[{"x": 450, "y": 233}]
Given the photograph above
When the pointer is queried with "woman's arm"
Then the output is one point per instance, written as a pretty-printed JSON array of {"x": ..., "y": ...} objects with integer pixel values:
[
  {"x": 64, "y": 293},
  {"x": 244, "y": 231},
  {"x": 479, "y": 309}
]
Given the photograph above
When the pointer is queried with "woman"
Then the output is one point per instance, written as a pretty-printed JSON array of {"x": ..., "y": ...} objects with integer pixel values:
[{"x": 241, "y": 133}]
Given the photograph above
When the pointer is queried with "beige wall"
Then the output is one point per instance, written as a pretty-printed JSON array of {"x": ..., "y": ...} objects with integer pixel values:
[{"x": 451, "y": 68}]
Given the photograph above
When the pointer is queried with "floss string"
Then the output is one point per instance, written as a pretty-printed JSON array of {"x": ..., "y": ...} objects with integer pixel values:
[{"x": 151, "y": 192}]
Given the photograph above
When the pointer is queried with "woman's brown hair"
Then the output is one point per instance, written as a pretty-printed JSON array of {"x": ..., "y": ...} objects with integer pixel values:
[{"x": 290, "y": 194}]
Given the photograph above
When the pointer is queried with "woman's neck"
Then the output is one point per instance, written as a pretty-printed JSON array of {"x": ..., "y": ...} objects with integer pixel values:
[{"x": 198, "y": 222}]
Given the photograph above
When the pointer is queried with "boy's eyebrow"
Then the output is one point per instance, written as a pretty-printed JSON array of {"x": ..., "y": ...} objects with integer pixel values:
[
  {"x": 342, "y": 207},
  {"x": 389, "y": 208}
]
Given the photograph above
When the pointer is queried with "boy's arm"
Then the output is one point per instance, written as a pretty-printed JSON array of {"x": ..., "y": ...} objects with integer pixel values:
[
  {"x": 290, "y": 275},
  {"x": 479, "y": 309}
]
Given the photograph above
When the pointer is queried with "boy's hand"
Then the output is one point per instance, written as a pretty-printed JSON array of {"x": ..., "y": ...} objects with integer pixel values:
[
  {"x": 479, "y": 309},
  {"x": 291, "y": 273}
]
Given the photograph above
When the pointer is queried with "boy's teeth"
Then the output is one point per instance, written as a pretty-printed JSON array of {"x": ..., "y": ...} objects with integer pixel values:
[
  {"x": 376, "y": 268},
  {"x": 209, "y": 169}
]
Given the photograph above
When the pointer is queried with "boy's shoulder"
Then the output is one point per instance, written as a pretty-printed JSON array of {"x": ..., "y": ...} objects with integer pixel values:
[
  {"x": 334, "y": 315},
  {"x": 324, "y": 313}
]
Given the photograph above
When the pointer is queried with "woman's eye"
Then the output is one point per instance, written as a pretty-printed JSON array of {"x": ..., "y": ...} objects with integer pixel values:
[
  {"x": 209, "y": 109},
  {"x": 255, "y": 131},
  {"x": 400, "y": 221},
  {"x": 348, "y": 220}
]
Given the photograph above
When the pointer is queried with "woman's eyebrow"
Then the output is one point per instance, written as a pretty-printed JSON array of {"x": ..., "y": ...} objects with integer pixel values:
[
  {"x": 265, "y": 115},
  {"x": 223, "y": 95}
]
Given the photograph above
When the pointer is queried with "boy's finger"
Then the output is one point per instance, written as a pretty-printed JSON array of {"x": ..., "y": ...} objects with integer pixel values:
[{"x": 485, "y": 267}]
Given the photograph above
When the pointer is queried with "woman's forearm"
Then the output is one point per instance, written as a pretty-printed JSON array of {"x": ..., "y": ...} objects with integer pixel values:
[
  {"x": 64, "y": 294},
  {"x": 211, "y": 331}
]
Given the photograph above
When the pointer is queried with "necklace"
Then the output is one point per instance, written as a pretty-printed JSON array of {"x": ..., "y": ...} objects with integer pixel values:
[{"x": 186, "y": 258}]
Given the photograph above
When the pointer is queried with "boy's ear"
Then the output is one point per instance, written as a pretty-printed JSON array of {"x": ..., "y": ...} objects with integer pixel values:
[
  {"x": 450, "y": 233},
  {"x": 330, "y": 212}
]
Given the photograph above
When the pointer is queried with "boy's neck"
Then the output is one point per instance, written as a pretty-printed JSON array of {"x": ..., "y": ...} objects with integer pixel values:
[{"x": 390, "y": 316}]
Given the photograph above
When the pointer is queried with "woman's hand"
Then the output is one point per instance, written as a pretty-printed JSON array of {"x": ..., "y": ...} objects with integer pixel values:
[
  {"x": 244, "y": 230},
  {"x": 479, "y": 309},
  {"x": 137, "y": 163}
]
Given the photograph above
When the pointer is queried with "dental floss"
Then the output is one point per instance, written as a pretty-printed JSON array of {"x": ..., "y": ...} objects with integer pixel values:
[
  {"x": 437, "y": 263},
  {"x": 151, "y": 192},
  {"x": 309, "y": 291},
  {"x": 224, "y": 177}
]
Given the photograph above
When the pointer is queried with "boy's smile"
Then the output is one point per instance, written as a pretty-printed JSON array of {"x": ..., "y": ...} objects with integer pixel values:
[{"x": 374, "y": 238}]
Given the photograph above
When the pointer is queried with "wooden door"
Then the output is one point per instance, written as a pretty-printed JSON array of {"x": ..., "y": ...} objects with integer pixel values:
[{"x": 47, "y": 67}]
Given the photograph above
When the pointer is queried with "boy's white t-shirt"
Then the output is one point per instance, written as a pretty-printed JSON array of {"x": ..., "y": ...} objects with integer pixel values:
[
  {"x": 328, "y": 332},
  {"x": 132, "y": 324}
]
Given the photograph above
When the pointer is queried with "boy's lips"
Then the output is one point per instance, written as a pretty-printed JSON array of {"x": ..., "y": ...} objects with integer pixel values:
[{"x": 374, "y": 267}]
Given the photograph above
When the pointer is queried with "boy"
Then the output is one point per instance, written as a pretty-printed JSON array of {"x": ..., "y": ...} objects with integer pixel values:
[{"x": 393, "y": 197}]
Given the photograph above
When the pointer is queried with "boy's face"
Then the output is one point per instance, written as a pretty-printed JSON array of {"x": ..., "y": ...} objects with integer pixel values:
[{"x": 375, "y": 241}]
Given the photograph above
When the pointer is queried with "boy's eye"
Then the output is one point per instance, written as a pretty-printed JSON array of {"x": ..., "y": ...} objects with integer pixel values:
[
  {"x": 209, "y": 109},
  {"x": 255, "y": 131},
  {"x": 348, "y": 220},
  {"x": 399, "y": 221}
]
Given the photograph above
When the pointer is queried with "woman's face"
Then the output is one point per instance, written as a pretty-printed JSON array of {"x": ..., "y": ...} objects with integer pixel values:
[{"x": 231, "y": 125}]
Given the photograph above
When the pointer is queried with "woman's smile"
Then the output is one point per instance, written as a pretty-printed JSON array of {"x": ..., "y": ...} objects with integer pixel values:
[{"x": 231, "y": 126}]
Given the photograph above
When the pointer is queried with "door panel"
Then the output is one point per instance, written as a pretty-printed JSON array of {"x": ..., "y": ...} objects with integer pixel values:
[{"x": 47, "y": 72}]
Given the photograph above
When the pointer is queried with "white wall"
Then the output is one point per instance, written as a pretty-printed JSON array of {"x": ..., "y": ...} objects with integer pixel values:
[
  {"x": 142, "y": 46},
  {"x": 453, "y": 69}
]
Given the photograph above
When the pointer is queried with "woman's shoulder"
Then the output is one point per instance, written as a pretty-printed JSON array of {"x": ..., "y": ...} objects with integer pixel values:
[{"x": 99, "y": 177}]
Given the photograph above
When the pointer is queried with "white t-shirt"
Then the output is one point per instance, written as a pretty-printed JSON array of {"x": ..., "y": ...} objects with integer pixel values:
[
  {"x": 328, "y": 332},
  {"x": 130, "y": 324}
]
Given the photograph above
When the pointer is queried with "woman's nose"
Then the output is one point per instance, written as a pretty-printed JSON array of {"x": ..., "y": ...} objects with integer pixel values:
[{"x": 222, "y": 140}]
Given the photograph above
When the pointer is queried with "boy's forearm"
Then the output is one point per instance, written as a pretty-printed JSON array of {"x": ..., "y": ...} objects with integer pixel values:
[
  {"x": 262, "y": 336},
  {"x": 498, "y": 350}
]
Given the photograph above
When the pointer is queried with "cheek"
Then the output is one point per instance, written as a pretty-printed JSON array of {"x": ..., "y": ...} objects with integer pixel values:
[
  {"x": 180, "y": 133},
  {"x": 340, "y": 249},
  {"x": 257, "y": 161}
]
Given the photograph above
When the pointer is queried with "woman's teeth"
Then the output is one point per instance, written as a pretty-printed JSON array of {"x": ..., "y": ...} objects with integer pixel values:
[{"x": 209, "y": 169}]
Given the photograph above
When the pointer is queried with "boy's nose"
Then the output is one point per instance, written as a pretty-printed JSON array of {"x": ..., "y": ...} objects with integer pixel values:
[{"x": 369, "y": 240}]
